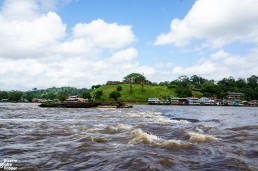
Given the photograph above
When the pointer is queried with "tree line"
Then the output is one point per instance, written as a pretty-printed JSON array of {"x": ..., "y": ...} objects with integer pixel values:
[
  {"x": 198, "y": 87},
  {"x": 184, "y": 86}
]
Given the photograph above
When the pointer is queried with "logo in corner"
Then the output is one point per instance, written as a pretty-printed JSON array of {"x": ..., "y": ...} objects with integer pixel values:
[{"x": 8, "y": 165}]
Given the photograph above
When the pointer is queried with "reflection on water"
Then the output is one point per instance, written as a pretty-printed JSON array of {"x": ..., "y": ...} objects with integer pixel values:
[{"x": 141, "y": 138}]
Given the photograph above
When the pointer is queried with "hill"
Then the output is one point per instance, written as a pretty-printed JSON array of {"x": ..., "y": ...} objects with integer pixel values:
[{"x": 137, "y": 94}]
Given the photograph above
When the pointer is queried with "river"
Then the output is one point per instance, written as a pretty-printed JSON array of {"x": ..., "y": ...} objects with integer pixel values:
[{"x": 140, "y": 138}]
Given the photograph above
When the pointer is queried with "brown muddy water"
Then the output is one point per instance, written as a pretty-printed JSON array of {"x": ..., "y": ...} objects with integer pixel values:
[{"x": 141, "y": 138}]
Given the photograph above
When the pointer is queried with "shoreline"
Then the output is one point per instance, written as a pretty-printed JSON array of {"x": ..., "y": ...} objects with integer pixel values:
[
  {"x": 84, "y": 105},
  {"x": 129, "y": 105}
]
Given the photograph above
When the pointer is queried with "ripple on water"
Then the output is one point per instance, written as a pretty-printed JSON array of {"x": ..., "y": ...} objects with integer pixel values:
[
  {"x": 117, "y": 128},
  {"x": 200, "y": 138},
  {"x": 139, "y": 136}
]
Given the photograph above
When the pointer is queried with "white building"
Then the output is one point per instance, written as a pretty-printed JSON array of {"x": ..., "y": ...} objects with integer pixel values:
[
  {"x": 153, "y": 101},
  {"x": 206, "y": 101}
]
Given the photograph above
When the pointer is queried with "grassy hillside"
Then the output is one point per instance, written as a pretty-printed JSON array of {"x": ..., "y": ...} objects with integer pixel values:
[{"x": 161, "y": 92}]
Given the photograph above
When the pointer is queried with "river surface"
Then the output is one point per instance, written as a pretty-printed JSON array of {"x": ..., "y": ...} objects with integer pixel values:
[{"x": 141, "y": 138}]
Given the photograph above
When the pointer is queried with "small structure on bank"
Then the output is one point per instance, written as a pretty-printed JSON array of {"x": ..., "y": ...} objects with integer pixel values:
[
  {"x": 234, "y": 95},
  {"x": 154, "y": 101},
  {"x": 76, "y": 99},
  {"x": 193, "y": 100},
  {"x": 206, "y": 101}
]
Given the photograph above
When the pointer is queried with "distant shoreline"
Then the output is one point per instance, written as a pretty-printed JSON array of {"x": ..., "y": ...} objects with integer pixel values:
[{"x": 128, "y": 105}]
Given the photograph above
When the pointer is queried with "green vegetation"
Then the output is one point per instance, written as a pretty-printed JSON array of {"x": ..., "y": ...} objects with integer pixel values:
[
  {"x": 69, "y": 105},
  {"x": 134, "y": 78},
  {"x": 97, "y": 94},
  {"x": 50, "y": 93},
  {"x": 162, "y": 92},
  {"x": 86, "y": 94},
  {"x": 114, "y": 95},
  {"x": 119, "y": 88},
  {"x": 15, "y": 96},
  {"x": 53, "y": 93},
  {"x": 136, "y": 88}
]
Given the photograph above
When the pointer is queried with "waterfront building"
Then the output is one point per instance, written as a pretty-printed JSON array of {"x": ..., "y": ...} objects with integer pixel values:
[
  {"x": 193, "y": 100},
  {"x": 234, "y": 95},
  {"x": 206, "y": 101},
  {"x": 153, "y": 101}
]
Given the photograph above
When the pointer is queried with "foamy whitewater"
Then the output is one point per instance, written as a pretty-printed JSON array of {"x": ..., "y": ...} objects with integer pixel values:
[{"x": 139, "y": 138}]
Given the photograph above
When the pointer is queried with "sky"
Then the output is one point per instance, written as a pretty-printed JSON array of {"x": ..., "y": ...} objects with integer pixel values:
[{"x": 80, "y": 43}]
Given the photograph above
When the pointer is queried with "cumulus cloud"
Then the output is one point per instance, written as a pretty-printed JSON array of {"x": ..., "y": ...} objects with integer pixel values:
[
  {"x": 25, "y": 33},
  {"x": 216, "y": 22},
  {"x": 212, "y": 25},
  {"x": 222, "y": 64},
  {"x": 105, "y": 35},
  {"x": 36, "y": 50},
  {"x": 126, "y": 55}
]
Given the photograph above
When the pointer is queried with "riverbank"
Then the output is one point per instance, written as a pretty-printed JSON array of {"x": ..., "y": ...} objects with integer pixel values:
[{"x": 85, "y": 105}]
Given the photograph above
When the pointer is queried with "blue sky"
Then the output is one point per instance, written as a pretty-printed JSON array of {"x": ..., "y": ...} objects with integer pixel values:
[
  {"x": 147, "y": 18},
  {"x": 80, "y": 43}
]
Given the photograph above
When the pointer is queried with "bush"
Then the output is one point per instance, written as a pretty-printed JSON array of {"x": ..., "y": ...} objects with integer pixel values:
[
  {"x": 114, "y": 95},
  {"x": 119, "y": 88}
]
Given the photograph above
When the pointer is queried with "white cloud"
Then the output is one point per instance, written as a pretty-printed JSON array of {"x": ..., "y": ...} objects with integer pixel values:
[
  {"x": 20, "y": 10},
  {"x": 216, "y": 22},
  {"x": 29, "y": 37},
  {"x": 126, "y": 55},
  {"x": 213, "y": 24},
  {"x": 222, "y": 65},
  {"x": 104, "y": 35},
  {"x": 36, "y": 51},
  {"x": 28, "y": 73},
  {"x": 28, "y": 33}
]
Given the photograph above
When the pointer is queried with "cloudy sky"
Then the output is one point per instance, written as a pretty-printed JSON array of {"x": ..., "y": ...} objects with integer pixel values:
[{"x": 46, "y": 43}]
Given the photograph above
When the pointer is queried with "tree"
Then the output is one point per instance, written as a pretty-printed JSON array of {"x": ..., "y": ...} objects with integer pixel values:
[
  {"x": 30, "y": 96},
  {"x": 164, "y": 83},
  {"x": 183, "y": 92},
  {"x": 182, "y": 81},
  {"x": 142, "y": 86},
  {"x": 253, "y": 84},
  {"x": 195, "y": 80},
  {"x": 130, "y": 88},
  {"x": 15, "y": 96},
  {"x": 98, "y": 94},
  {"x": 209, "y": 89},
  {"x": 252, "y": 81},
  {"x": 114, "y": 95},
  {"x": 241, "y": 84},
  {"x": 249, "y": 93},
  {"x": 51, "y": 96},
  {"x": 228, "y": 84},
  {"x": 197, "y": 94},
  {"x": 95, "y": 87},
  {"x": 62, "y": 96},
  {"x": 85, "y": 94},
  {"x": 134, "y": 78},
  {"x": 3, "y": 95},
  {"x": 119, "y": 88}
]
